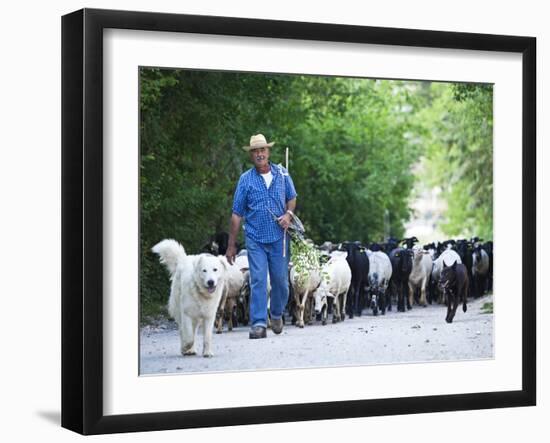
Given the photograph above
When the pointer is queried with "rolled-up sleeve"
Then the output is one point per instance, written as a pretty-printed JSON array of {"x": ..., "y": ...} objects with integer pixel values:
[
  {"x": 290, "y": 191},
  {"x": 239, "y": 199}
]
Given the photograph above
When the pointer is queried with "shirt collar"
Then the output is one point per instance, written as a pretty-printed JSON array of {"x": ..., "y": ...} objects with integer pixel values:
[{"x": 274, "y": 169}]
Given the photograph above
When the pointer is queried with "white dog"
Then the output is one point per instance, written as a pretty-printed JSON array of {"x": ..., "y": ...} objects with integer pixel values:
[{"x": 197, "y": 286}]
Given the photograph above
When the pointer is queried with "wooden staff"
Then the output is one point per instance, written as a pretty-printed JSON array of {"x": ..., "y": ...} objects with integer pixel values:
[{"x": 284, "y": 235}]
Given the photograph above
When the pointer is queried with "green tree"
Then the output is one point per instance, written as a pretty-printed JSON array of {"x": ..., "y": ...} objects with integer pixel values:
[{"x": 458, "y": 130}]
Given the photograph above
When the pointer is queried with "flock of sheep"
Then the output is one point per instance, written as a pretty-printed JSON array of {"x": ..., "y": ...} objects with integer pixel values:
[{"x": 345, "y": 279}]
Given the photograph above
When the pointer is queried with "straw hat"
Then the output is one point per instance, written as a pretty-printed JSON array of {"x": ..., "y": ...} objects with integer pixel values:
[{"x": 258, "y": 141}]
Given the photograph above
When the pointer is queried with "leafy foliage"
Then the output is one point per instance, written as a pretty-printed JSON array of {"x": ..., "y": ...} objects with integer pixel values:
[
  {"x": 459, "y": 138},
  {"x": 305, "y": 259}
]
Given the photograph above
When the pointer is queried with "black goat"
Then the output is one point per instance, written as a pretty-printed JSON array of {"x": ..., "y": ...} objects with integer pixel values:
[
  {"x": 359, "y": 264},
  {"x": 465, "y": 249},
  {"x": 488, "y": 247},
  {"x": 218, "y": 243},
  {"x": 409, "y": 242},
  {"x": 401, "y": 261}
]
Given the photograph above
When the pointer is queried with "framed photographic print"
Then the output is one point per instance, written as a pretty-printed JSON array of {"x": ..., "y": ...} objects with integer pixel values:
[{"x": 264, "y": 208}]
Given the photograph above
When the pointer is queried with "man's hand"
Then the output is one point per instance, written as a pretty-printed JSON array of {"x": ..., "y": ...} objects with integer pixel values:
[
  {"x": 284, "y": 220},
  {"x": 233, "y": 231},
  {"x": 230, "y": 253}
]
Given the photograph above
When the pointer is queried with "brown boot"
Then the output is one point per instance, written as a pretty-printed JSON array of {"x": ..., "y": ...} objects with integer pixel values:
[{"x": 277, "y": 325}]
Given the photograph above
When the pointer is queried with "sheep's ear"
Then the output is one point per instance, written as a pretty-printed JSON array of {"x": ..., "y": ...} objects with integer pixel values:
[{"x": 225, "y": 263}]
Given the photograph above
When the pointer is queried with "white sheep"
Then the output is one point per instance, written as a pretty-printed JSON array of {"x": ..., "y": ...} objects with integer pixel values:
[
  {"x": 336, "y": 279},
  {"x": 380, "y": 271},
  {"x": 304, "y": 281},
  {"x": 419, "y": 278},
  {"x": 232, "y": 287}
]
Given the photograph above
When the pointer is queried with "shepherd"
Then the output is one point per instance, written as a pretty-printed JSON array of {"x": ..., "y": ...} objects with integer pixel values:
[{"x": 266, "y": 198}]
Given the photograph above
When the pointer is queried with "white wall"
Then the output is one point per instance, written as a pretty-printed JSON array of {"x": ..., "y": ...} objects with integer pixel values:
[{"x": 30, "y": 217}]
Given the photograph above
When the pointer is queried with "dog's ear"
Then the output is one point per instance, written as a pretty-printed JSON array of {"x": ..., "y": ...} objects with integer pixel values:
[{"x": 198, "y": 262}]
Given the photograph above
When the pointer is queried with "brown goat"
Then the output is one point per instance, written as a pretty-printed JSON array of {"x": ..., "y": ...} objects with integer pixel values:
[{"x": 454, "y": 284}]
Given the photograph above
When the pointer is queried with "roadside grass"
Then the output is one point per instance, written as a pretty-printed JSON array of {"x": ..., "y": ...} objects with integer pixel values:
[
  {"x": 487, "y": 308},
  {"x": 152, "y": 313}
]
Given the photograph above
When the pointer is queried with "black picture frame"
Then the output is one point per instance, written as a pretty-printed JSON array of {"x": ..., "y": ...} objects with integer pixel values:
[{"x": 82, "y": 218}]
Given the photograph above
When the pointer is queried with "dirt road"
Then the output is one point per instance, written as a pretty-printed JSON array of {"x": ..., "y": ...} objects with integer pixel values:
[{"x": 418, "y": 335}]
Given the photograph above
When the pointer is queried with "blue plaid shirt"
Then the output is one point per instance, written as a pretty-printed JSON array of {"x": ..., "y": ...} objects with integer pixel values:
[{"x": 257, "y": 204}]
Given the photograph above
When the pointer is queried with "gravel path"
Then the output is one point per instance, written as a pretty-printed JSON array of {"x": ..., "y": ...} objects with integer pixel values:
[{"x": 415, "y": 336}]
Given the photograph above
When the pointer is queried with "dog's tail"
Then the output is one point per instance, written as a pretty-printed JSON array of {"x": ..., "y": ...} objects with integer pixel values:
[{"x": 170, "y": 252}]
